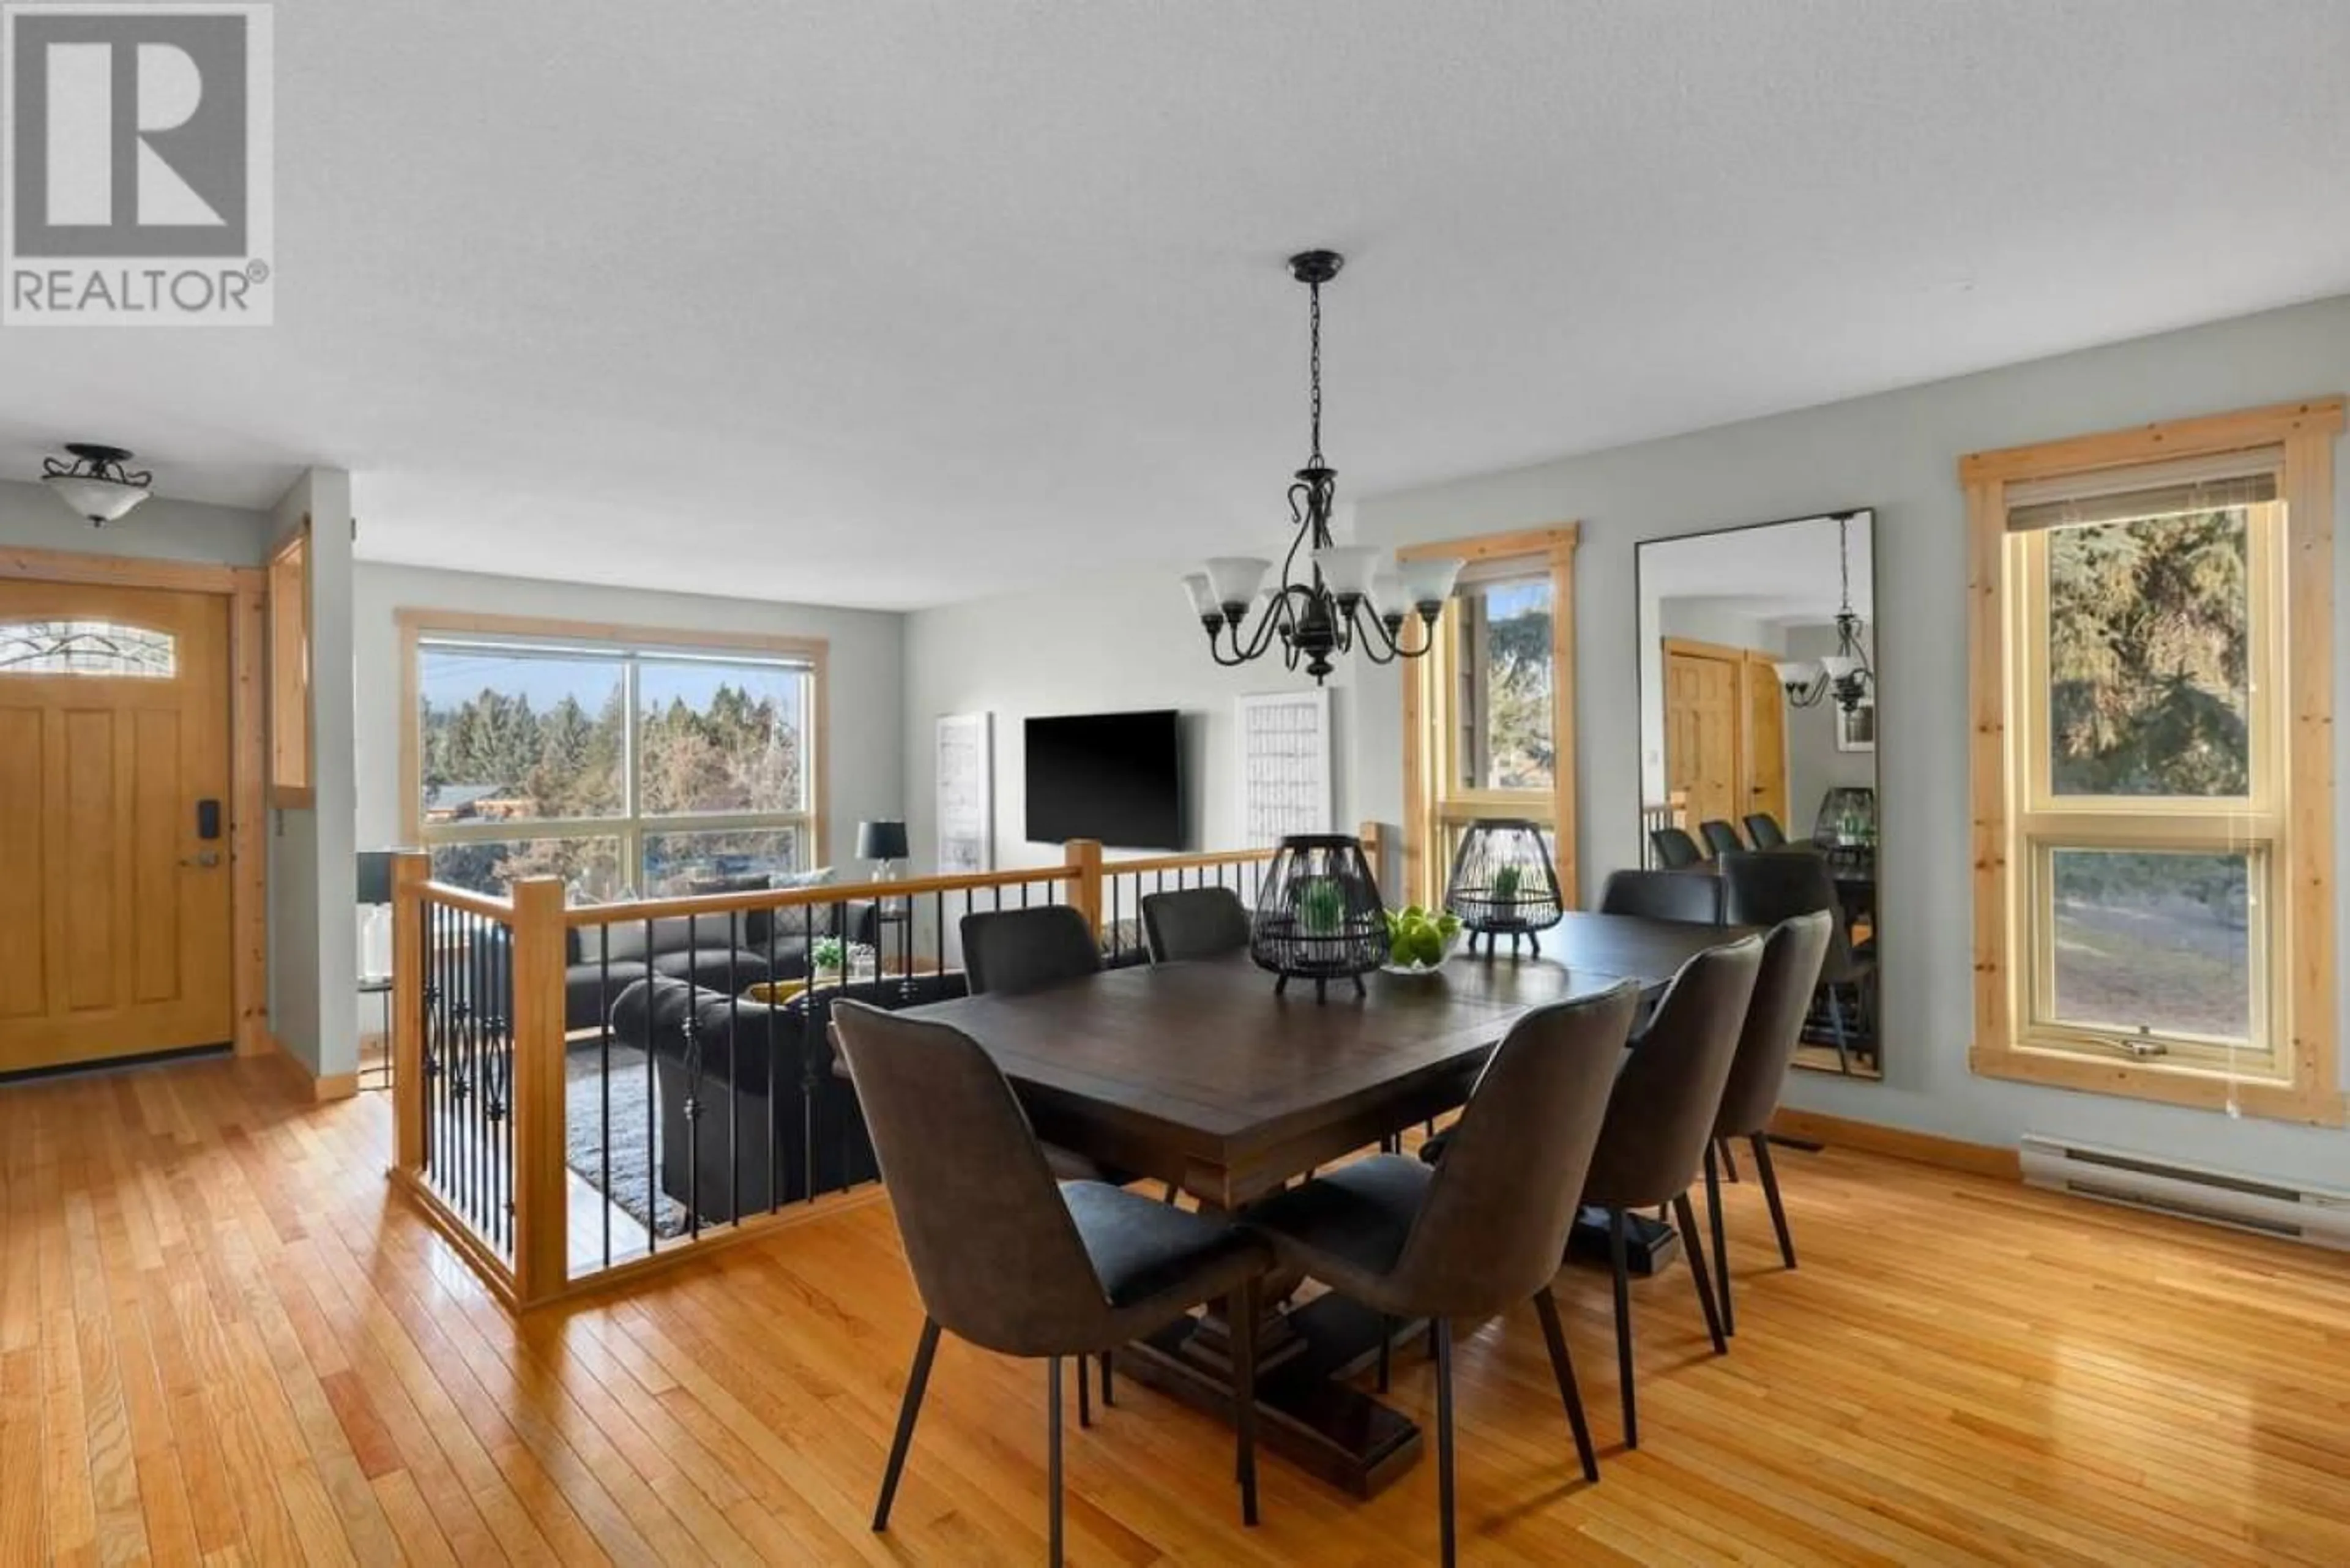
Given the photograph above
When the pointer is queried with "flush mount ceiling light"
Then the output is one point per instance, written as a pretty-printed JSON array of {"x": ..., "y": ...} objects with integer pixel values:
[
  {"x": 1844, "y": 672},
  {"x": 95, "y": 483},
  {"x": 1352, "y": 596}
]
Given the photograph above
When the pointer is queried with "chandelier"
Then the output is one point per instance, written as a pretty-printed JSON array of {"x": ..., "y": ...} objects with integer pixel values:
[
  {"x": 1845, "y": 672},
  {"x": 1351, "y": 597},
  {"x": 95, "y": 483}
]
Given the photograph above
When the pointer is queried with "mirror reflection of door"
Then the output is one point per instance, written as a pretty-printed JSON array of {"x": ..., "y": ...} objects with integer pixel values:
[
  {"x": 1766, "y": 733},
  {"x": 114, "y": 730},
  {"x": 1704, "y": 699}
]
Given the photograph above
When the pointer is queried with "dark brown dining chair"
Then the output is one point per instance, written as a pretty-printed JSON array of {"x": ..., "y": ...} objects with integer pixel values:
[
  {"x": 1721, "y": 837},
  {"x": 1675, "y": 850},
  {"x": 1792, "y": 955},
  {"x": 1011, "y": 952},
  {"x": 1764, "y": 889},
  {"x": 1764, "y": 830},
  {"x": 1194, "y": 923},
  {"x": 1694, "y": 897},
  {"x": 1484, "y": 1229},
  {"x": 1010, "y": 1262},
  {"x": 1660, "y": 1117}
]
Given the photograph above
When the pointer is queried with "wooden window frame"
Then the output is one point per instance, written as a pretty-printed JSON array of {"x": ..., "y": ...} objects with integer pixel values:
[
  {"x": 1431, "y": 805},
  {"x": 416, "y": 626},
  {"x": 2306, "y": 1087},
  {"x": 291, "y": 714}
]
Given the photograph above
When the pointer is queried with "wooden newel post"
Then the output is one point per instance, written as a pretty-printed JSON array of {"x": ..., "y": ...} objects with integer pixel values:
[
  {"x": 542, "y": 1212},
  {"x": 1085, "y": 879},
  {"x": 410, "y": 872}
]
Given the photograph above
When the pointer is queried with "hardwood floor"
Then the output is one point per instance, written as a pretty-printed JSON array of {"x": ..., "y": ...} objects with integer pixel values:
[{"x": 221, "y": 1340}]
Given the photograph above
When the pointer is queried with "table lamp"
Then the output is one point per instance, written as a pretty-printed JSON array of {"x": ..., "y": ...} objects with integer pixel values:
[{"x": 884, "y": 844}]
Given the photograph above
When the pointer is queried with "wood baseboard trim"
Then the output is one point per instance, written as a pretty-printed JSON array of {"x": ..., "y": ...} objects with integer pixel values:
[
  {"x": 1900, "y": 1143},
  {"x": 319, "y": 1089}
]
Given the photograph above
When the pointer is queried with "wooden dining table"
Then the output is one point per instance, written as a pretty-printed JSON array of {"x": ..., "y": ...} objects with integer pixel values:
[{"x": 1199, "y": 1075}]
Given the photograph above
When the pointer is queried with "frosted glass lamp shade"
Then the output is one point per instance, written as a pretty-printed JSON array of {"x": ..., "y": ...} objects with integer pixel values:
[
  {"x": 1236, "y": 579},
  {"x": 1204, "y": 596},
  {"x": 1348, "y": 569},
  {"x": 1839, "y": 666},
  {"x": 102, "y": 501},
  {"x": 1387, "y": 594},
  {"x": 1797, "y": 672},
  {"x": 1428, "y": 584}
]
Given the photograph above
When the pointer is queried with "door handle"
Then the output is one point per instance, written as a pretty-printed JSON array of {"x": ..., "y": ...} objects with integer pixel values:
[{"x": 204, "y": 862}]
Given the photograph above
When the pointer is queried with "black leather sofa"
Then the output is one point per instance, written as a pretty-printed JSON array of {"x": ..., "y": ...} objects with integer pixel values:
[{"x": 775, "y": 1123}]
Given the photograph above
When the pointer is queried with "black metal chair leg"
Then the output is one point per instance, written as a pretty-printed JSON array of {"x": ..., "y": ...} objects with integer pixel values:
[
  {"x": 1720, "y": 1236},
  {"x": 1245, "y": 1396},
  {"x": 1110, "y": 1399},
  {"x": 1836, "y": 1025},
  {"x": 1443, "y": 1330},
  {"x": 1771, "y": 1194},
  {"x": 1053, "y": 1454},
  {"x": 1563, "y": 1368},
  {"x": 1729, "y": 1160},
  {"x": 1698, "y": 1274},
  {"x": 917, "y": 1380},
  {"x": 1618, "y": 1256},
  {"x": 1084, "y": 1392}
]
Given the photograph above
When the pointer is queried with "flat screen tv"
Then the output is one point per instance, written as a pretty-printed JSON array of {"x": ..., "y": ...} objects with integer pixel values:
[{"x": 1116, "y": 777}]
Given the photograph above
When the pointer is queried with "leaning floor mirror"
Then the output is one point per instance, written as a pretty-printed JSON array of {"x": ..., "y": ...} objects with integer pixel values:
[{"x": 1759, "y": 703}]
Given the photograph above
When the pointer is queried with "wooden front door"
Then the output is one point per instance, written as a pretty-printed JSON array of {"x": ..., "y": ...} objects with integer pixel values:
[
  {"x": 114, "y": 735},
  {"x": 1766, "y": 740},
  {"x": 1703, "y": 695}
]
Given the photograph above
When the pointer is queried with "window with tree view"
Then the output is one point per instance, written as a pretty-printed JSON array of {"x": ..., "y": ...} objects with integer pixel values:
[
  {"x": 617, "y": 770},
  {"x": 1503, "y": 711},
  {"x": 2147, "y": 775}
]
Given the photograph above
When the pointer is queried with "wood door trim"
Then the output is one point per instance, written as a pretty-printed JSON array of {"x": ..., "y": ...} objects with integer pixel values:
[
  {"x": 245, "y": 588},
  {"x": 1690, "y": 648}
]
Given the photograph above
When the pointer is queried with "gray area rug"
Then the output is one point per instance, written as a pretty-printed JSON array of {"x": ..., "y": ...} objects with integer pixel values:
[{"x": 634, "y": 1140}]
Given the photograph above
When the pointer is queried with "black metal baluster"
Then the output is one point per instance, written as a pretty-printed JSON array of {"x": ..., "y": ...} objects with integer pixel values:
[
  {"x": 652, "y": 1106},
  {"x": 807, "y": 1022},
  {"x": 733, "y": 1068},
  {"x": 692, "y": 1088},
  {"x": 775, "y": 1121},
  {"x": 1117, "y": 922},
  {"x": 604, "y": 1080}
]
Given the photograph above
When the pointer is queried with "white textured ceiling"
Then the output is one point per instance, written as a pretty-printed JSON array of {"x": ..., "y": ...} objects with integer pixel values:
[{"x": 893, "y": 304}]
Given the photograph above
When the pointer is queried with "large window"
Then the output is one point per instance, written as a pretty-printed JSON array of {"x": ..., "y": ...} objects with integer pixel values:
[
  {"x": 2147, "y": 848},
  {"x": 646, "y": 764},
  {"x": 1489, "y": 716}
]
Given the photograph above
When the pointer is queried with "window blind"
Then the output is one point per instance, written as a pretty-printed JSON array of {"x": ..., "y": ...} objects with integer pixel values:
[{"x": 2149, "y": 490}]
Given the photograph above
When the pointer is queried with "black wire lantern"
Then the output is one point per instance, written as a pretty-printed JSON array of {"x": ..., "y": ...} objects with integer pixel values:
[
  {"x": 1350, "y": 599},
  {"x": 1503, "y": 884},
  {"x": 1319, "y": 914}
]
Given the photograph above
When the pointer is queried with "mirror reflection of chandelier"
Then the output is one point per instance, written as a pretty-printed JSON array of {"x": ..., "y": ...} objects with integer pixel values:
[{"x": 1846, "y": 673}]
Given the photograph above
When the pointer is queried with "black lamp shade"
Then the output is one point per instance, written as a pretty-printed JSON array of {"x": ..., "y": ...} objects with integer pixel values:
[
  {"x": 1502, "y": 883},
  {"x": 1318, "y": 914},
  {"x": 375, "y": 876},
  {"x": 881, "y": 841}
]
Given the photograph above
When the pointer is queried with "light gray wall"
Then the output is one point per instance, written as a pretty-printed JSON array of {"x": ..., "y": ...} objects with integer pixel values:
[
  {"x": 1105, "y": 645},
  {"x": 313, "y": 918},
  {"x": 157, "y": 529},
  {"x": 863, "y": 767},
  {"x": 1813, "y": 763},
  {"x": 1897, "y": 453}
]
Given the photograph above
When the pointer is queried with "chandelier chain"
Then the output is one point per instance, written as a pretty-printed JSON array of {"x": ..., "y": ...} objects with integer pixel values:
[{"x": 1313, "y": 318}]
